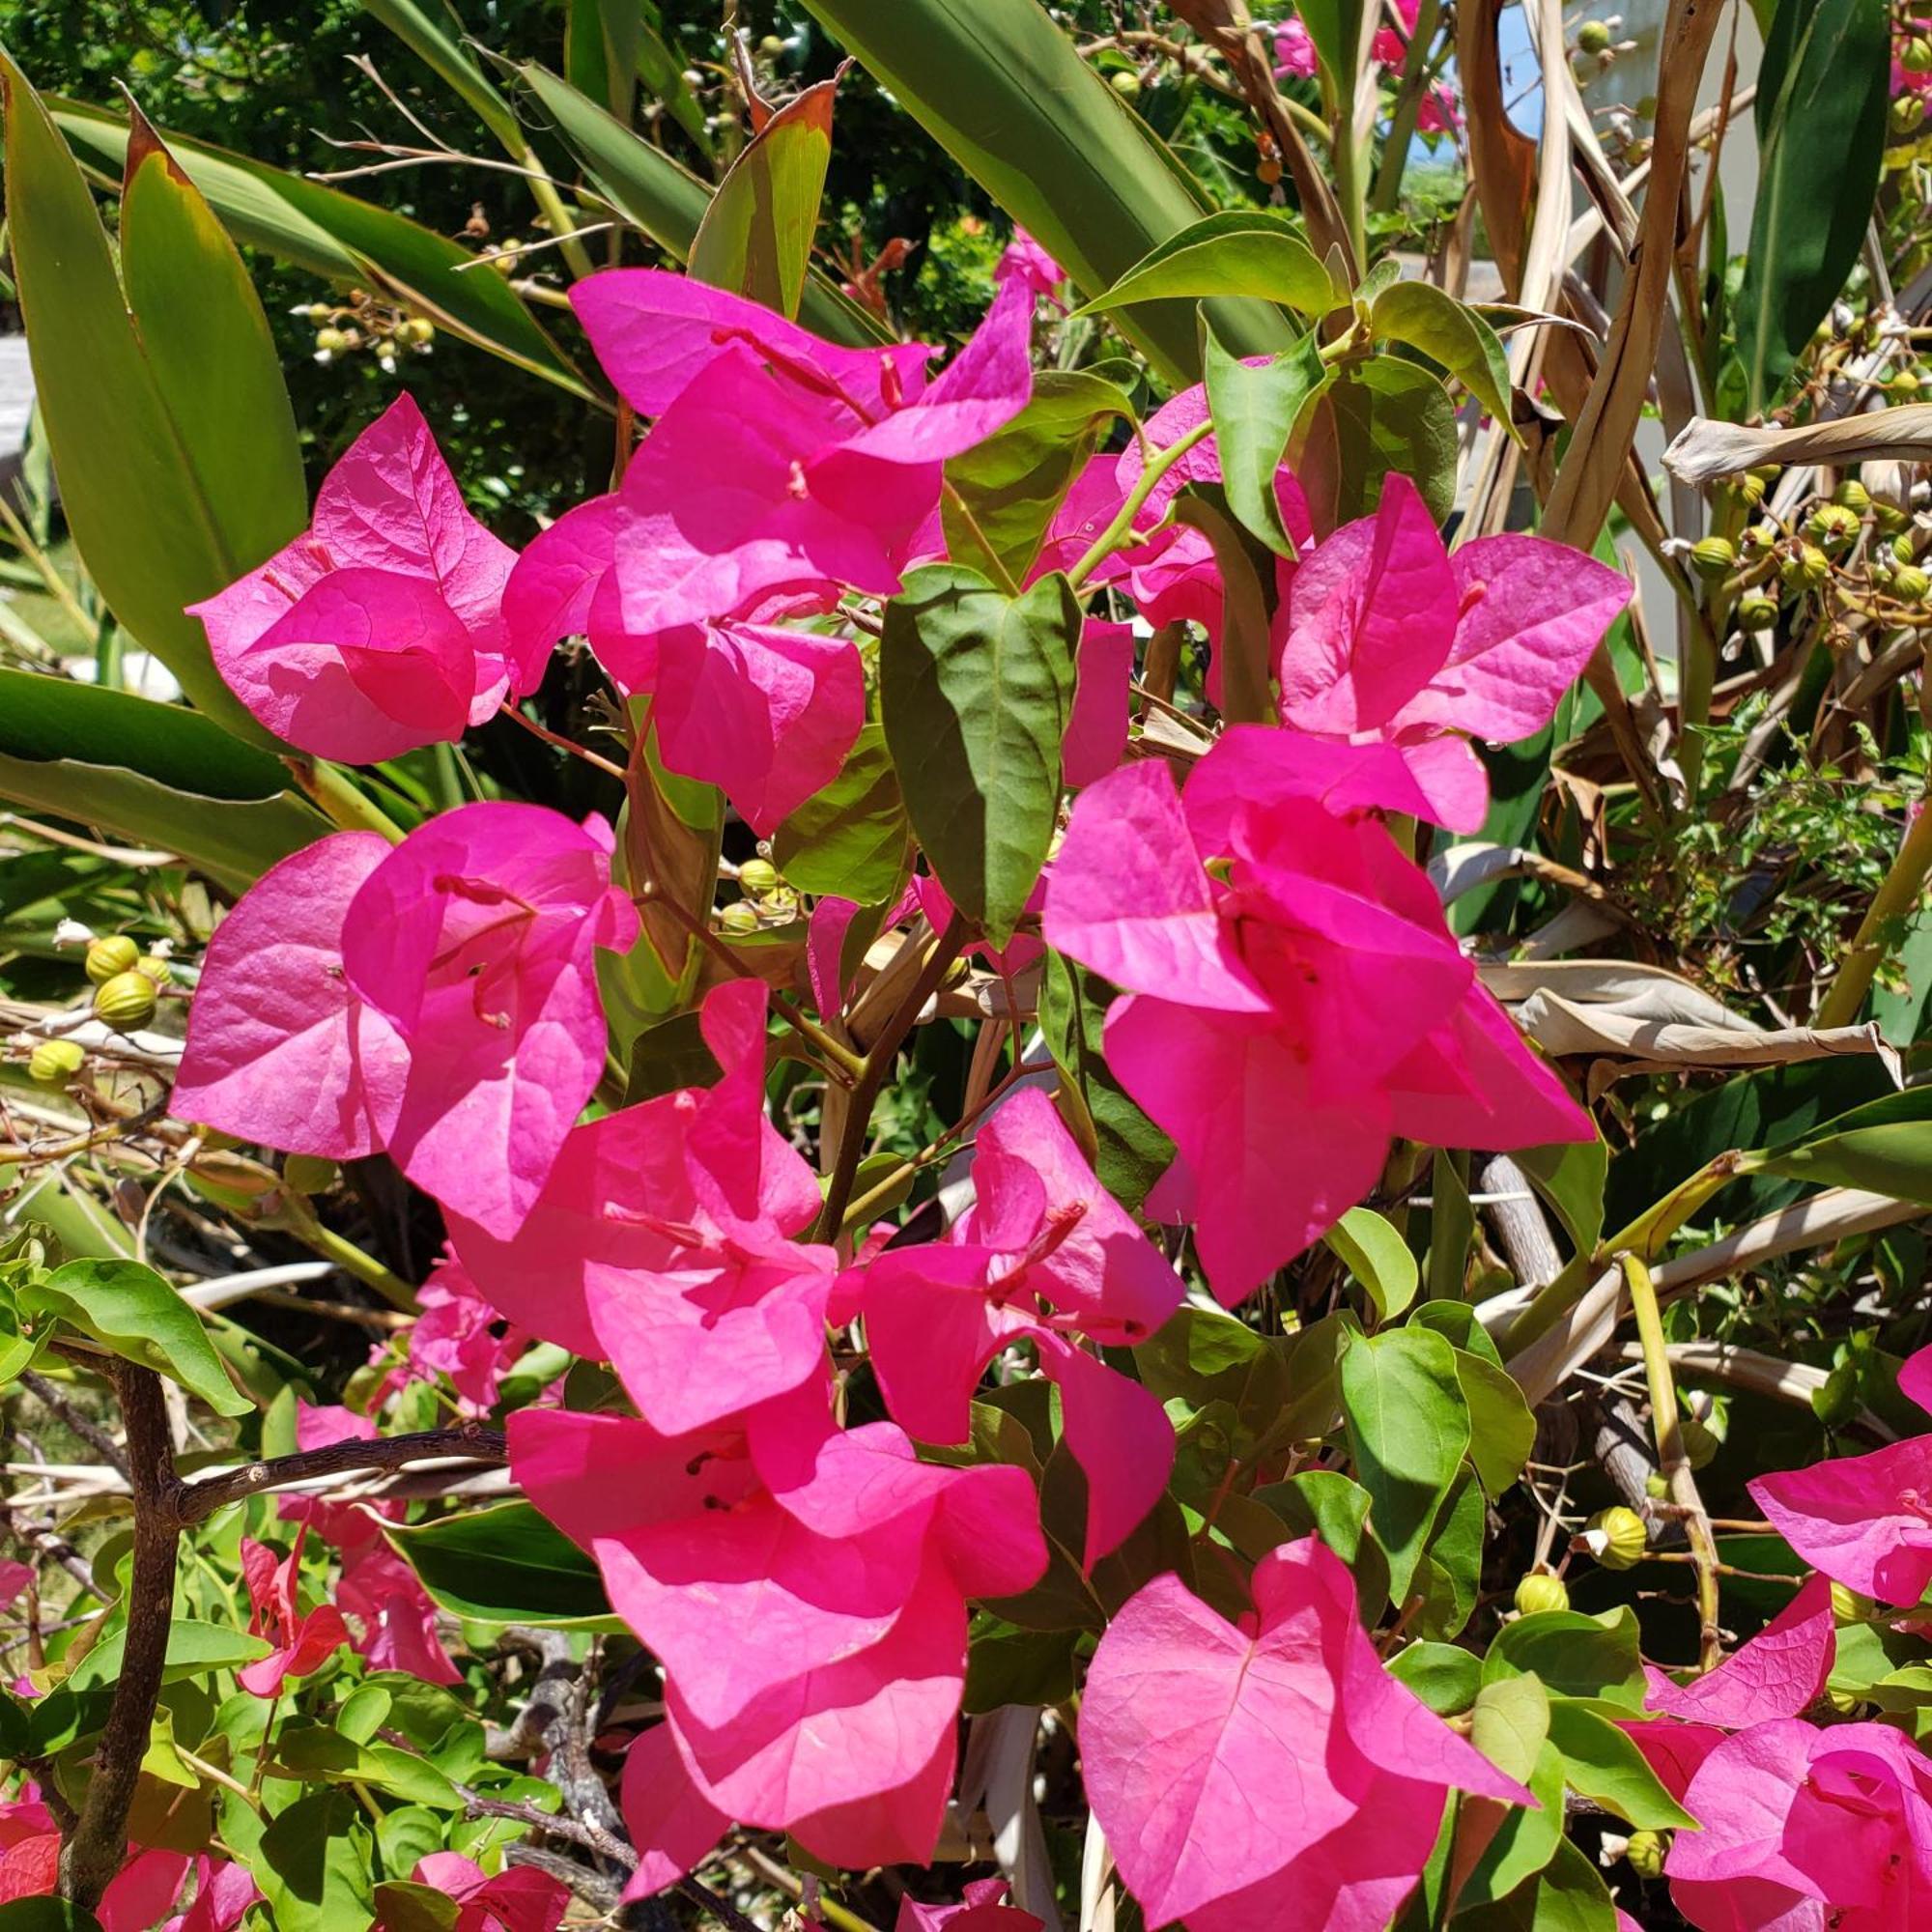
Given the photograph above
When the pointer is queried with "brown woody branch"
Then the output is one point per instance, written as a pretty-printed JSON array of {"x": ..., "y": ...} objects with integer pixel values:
[
  {"x": 95, "y": 1850},
  {"x": 196, "y": 1501}
]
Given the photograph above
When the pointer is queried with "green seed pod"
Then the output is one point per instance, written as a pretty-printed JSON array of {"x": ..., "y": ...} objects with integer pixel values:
[
  {"x": 107, "y": 957},
  {"x": 1902, "y": 548},
  {"x": 125, "y": 1002},
  {"x": 1713, "y": 556},
  {"x": 1593, "y": 36},
  {"x": 1126, "y": 85},
  {"x": 1833, "y": 525},
  {"x": 1701, "y": 1443},
  {"x": 1907, "y": 112},
  {"x": 1853, "y": 495},
  {"x": 1626, "y": 1539},
  {"x": 416, "y": 330},
  {"x": 1805, "y": 569},
  {"x": 309, "y": 1173},
  {"x": 1657, "y": 1486},
  {"x": 1748, "y": 489},
  {"x": 156, "y": 968},
  {"x": 1910, "y": 584},
  {"x": 1540, "y": 1591},
  {"x": 758, "y": 877},
  {"x": 771, "y": 46},
  {"x": 55, "y": 1062},
  {"x": 1756, "y": 611},
  {"x": 741, "y": 915},
  {"x": 330, "y": 341},
  {"x": 1915, "y": 55},
  {"x": 1906, "y": 383},
  {"x": 1645, "y": 1854}
]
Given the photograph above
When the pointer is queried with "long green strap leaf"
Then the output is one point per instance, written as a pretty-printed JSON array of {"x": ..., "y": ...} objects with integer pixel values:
[{"x": 1001, "y": 88}]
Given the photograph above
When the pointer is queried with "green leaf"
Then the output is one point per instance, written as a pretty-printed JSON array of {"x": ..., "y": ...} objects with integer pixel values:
[
  {"x": 1451, "y": 335},
  {"x": 1325, "y": 1503},
  {"x": 1129, "y": 1153},
  {"x": 1452, "y": 1223},
  {"x": 756, "y": 238},
  {"x": 668, "y": 1056},
  {"x": 1369, "y": 1248},
  {"x": 1457, "y": 1319},
  {"x": 213, "y": 357},
  {"x": 1408, "y": 1428},
  {"x": 1371, "y": 419},
  {"x": 152, "y": 774},
  {"x": 403, "y": 1906},
  {"x": 1003, "y": 493},
  {"x": 1255, "y": 410},
  {"x": 850, "y": 839},
  {"x": 313, "y": 1865},
  {"x": 233, "y": 842},
  {"x": 194, "y": 1649},
  {"x": 1445, "y": 1676},
  {"x": 143, "y": 493},
  {"x": 130, "y": 1309},
  {"x": 46, "y": 1915},
  {"x": 1248, "y": 577},
  {"x": 1885, "y": 1145},
  {"x": 1571, "y": 1179},
  {"x": 668, "y": 202},
  {"x": 1599, "y": 1761},
  {"x": 436, "y": 37},
  {"x": 57, "y": 718},
  {"x": 1006, "y": 1664},
  {"x": 1450, "y": 1575},
  {"x": 309, "y": 1751},
  {"x": 1201, "y": 1356},
  {"x": 976, "y": 687},
  {"x": 1502, "y": 1430},
  {"x": 1594, "y": 1657},
  {"x": 1526, "y": 1840},
  {"x": 350, "y": 242},
  {"x": 1509, "y": 1723},
  {"x": 1820, "y": 93},
  {"x": 1001, "y": 85},
  {"x": 1568, "y": 1895},
  {"x": 505, "y": 1565},
  {"x": 1246, "y": 252},
  {"x": 1335, "y": 27}
]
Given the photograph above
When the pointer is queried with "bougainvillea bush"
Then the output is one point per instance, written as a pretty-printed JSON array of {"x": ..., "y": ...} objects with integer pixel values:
[{"x": 977, "y": 1161}]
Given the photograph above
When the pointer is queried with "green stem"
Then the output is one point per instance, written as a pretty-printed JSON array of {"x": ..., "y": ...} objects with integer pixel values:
[
  {"x": 343, "y": 804},
  {"x": 1111, "y": 538},
  {"x": 1642, "y": 1238},
  {"x": 1879, "y": 929},
  {"x": 1416, "y": 80},
  {"x": 1666, "y": 1427},
  {"x": 347, "y": 1256},
  {"x": 543, "y": 191}
]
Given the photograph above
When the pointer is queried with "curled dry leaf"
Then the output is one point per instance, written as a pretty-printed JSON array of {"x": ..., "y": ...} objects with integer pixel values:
[{"x": 1705, "y": 450}]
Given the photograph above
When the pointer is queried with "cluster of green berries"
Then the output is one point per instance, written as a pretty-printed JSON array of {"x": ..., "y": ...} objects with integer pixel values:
[
  {"x": 367, "y": 324},
  {"x": 767, "y": 900},
  {"x": 127, "y": 987}
]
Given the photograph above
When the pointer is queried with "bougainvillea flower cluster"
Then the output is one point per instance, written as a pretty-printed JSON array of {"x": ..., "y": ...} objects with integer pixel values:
[{"x": 782, "y": 1491}]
